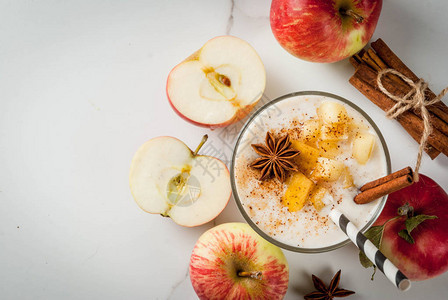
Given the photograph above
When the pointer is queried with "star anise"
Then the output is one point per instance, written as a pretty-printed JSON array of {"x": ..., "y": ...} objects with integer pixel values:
[
  {"x": 327, "y": 293},
  {"x": 276, "y": 157}
]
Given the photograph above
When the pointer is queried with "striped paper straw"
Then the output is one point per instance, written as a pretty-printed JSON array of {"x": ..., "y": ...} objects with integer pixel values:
[{"x": 372, "y": 252}]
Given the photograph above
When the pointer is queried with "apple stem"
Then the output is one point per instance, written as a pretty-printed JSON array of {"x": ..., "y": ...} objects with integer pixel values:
[
  {"x": 253, "y": 274},
  {"x": 406, "y": 210},
  {"x": 354, "y": 15},
  {"x": 204, "y": 139}
]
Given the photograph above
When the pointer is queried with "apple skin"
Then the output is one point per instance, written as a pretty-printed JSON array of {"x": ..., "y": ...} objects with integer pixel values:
[
  {"x": 428, "y": 257},
  {"x": 316, "y": 31},
  {"x": 223, "y": 251}
]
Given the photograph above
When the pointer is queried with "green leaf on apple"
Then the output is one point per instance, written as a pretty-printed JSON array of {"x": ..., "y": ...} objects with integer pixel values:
[
  {"x": 375, "y": 235},
  {"x": 406, "y": 236},
  {"x": 365, "y": 262},
  {"x": 411, "y": 224}
]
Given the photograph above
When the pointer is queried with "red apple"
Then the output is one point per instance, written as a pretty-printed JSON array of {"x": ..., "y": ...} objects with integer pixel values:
[
  {"x": 231, "y": 261},
  {"x": 428, "y": 256},
  {"x": 322, "y": 30}
]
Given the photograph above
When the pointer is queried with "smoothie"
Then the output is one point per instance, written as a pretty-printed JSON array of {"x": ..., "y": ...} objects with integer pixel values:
[{"x": 266, "y": 202}]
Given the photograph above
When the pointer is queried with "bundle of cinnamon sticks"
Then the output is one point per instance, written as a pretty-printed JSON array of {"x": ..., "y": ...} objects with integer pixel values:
[
  {"x": 379, "y": 57},
  {"x": 385, "y": 185}
]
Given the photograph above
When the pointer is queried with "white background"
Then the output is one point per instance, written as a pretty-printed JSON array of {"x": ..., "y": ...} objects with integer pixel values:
[{"x": 82, "y": 86}]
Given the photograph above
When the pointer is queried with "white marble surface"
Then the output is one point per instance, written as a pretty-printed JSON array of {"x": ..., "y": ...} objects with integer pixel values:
[{"x": 82, "y": 86}]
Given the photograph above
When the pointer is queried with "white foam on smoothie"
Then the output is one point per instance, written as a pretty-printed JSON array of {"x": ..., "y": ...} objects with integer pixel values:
[{"x": 306, "y": 228}]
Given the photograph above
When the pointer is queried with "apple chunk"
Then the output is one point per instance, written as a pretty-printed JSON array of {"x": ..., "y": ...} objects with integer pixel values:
[
  {"x": 363, "y": 145},
  {"x": 332, "y": 112},
  {"x": 299, "y": 187},
  {"x": 217, "y": 85},
  {"x": 307, "y": 159},
  {"x": 316, "y": 196},
  {"x": 310, "y": 131},
  {"x": 328, "y": 169},
  {"x": 167, "y": 178}
]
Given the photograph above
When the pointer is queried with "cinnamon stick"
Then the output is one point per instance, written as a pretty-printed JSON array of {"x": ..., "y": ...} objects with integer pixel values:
[
  {"x": 437, "y": 139},
  {"x": 356, "y": 59},
  {"x": 408, "y": 120},
  {"x": 438, "y": 123},
  {"x": 394, "y": 62},
  {"x": 378, "y": 61},
  {"x": 395, "y": 85},
  {"x": 438, "y": 110},
  {"x": 384, "y": 189},
  {"x": 370, "y": 61},
  {"x": 391, "y": 86},
  {"x": 382, "y": 180}
]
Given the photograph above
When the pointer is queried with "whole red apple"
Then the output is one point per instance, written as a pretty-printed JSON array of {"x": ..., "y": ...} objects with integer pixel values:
[
  {"x": 231, "y": 261},
  {"x": 427, "y": 257},
  {"x": 323, "y": 30}
]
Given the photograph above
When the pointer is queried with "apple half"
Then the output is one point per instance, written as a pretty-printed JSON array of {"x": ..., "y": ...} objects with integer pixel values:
[
  {"x": 167, "y": 178},
  {"x": 217, "y": 85}
]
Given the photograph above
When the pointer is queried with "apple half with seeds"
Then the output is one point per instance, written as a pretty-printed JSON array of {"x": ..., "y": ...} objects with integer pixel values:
[
  {"x": 219, "y": 84},
  {"x": 169, "y": 179}
]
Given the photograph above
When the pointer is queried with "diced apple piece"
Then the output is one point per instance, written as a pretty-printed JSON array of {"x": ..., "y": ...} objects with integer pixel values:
[
  {"x": 348, "y": 179},
  {"x": 329, "y": 149},
  {"x": 307, "y": 158},
  {"x": 310, "y": 131},
  {"x": 334, "y": 132},
  {"x": 332, "y": 112},
  {"x": 363, "y": 144},
  {"x": 299, "y": 187},
  {"x": 328, "y": 169},
  {"x": 316, "y": 196},
  {"x": 354, "y": 127}
]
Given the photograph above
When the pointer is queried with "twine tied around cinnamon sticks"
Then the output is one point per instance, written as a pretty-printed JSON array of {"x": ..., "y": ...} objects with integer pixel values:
[{"x": 414, "y": 99}]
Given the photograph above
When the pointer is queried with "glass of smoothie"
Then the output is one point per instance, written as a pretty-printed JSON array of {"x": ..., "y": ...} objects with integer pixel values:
[{"x": 340, "y": 149}]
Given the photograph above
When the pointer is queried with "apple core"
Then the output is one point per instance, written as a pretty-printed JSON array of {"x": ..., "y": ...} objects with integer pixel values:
[
  {"x": 220, "y": 83},
  {"x": 183, "y": 189}
]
